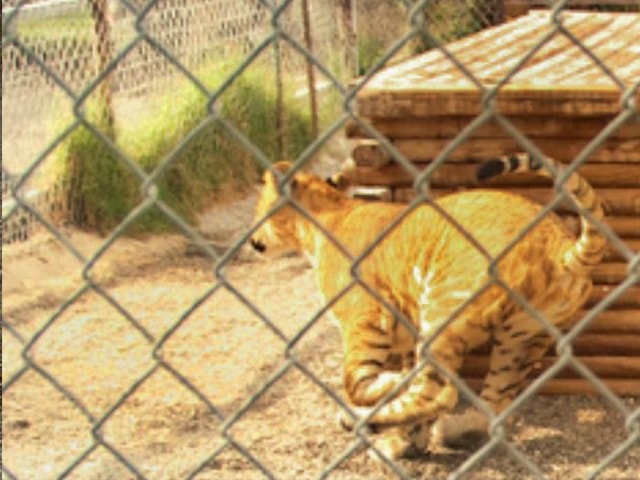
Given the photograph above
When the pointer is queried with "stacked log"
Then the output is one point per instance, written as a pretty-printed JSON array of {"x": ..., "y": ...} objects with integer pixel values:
[
  {"x": 560, "y": 101},
  {"x": 610, "y": 346},
  {"x": 515, "y": 8}
]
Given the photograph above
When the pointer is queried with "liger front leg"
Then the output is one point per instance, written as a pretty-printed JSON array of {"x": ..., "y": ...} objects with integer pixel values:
[{"x": 368, "y": 348}]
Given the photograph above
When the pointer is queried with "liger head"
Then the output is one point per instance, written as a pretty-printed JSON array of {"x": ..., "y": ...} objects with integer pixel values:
[{"x": 282, "y": 203}]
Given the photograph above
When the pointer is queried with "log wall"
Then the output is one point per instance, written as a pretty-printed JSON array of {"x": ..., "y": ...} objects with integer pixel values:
[
  {"x": 552, "y": 95},
  {"x": 610, "y": 346}
]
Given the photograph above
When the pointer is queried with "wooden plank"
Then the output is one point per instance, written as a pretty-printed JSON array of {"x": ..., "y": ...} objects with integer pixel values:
[
  {"x": 463, "y": 174},
  {"x": 618, "y": 201},
  {"x": 368, "y": 153},
  {"x": 607, "y": 344},
  {"x": 533, "y": 127},
  {"x": 581, "y": 386},
  {"x": 614, "y": 321},
  {"x": 614, "y": 255},
  {"x": 519, "y": 7},
  {"x": 516, "y": 8},
  {"x": 610, "y": 273},
  {"x": 611, "y": 150},
  {"x": 558, "y": 79},
  {"x": 629, "y": 299},
  {"x": 594, "y": 344},
  {"x": 610, "y": 322},
  {"x": 375, "y": 194},
  {"x": 574, "y": 3},
  {"x": 603, "y": 366},
  {"x": 625, "y": 227},
  {"x": 510, "y": 102},
  {"x": 371, "y": 154},
  {"x": 576, "y": 386}
]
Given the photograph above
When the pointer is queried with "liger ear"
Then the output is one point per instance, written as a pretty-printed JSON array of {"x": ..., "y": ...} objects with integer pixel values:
[
  {"x": 281, "y": 167},
  {"x": 272, "y": 175},
  {"x": 338, "y": 181}
]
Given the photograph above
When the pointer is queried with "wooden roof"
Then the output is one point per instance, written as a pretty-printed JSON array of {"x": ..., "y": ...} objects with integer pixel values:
[{"x": 558, "y": 78}]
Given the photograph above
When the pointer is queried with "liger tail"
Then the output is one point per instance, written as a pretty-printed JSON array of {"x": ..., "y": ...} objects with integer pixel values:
[{"x": 590, "y": 246}]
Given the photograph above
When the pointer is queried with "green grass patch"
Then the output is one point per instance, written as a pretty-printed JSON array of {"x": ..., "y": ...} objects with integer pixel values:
[
  {"x": 101, "y": 188},
  {"x": 370, "y": 49},
  {"x": 205, "y": 158}
]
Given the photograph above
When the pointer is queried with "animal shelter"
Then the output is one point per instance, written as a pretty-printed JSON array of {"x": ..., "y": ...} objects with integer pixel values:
[{"x": 571, "y": 93}]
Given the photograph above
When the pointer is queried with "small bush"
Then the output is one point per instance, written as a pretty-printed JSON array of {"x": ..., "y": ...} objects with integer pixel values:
[
  {"x": 369, "y": 51},
  {"x": 104, "y": 190},
  {"x": 91, "y": 178},
  {"x": 91, "y": 168}
]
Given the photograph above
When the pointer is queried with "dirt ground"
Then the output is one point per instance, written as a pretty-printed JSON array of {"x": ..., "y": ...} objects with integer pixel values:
[{"x": 139, "y": 384}]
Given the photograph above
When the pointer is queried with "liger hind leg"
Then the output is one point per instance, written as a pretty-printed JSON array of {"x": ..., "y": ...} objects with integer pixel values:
[{"x": 512, "y": 359}]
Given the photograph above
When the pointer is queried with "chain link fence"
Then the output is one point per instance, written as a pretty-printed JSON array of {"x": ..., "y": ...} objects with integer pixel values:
[
  {"x": 381, "y": 23},
  {"x": 77, "y": 40},
  {"x": 138, "y": 369}
]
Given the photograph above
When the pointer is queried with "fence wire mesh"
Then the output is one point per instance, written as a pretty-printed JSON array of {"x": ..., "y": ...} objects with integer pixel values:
[{"x": 59, "y": 423}]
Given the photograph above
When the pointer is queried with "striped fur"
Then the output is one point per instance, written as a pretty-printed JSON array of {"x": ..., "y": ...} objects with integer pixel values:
[
  {"x": 442, "y": 299},
  {"x": 591, "y": 244}
]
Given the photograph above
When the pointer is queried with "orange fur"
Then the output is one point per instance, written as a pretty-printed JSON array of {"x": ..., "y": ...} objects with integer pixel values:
[{"x": 414, "y": 281}]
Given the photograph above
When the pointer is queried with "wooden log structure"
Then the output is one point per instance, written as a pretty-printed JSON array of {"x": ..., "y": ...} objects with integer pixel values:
[
  {"x": 560, "y": 100},
  {"x": 515, "y": 8}
]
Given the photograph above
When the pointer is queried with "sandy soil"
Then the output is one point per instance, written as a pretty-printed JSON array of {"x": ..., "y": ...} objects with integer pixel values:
[{"x": 167, "y": 399}]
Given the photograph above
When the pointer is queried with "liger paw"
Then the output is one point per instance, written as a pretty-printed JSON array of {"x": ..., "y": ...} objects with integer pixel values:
[{"x": 466, "y": 431}]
